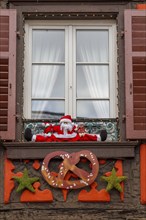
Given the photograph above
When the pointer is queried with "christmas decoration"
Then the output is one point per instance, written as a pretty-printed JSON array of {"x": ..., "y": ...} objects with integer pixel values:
[
  {"x": 69, "y": 163},
  {"x": 113, "y": 181},
  {"x": 25, "y": 181},
  {"x": 65, "y": 131}
]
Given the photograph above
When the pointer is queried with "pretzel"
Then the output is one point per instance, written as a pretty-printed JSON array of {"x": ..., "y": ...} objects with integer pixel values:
[{"x": 69, "y": 164}]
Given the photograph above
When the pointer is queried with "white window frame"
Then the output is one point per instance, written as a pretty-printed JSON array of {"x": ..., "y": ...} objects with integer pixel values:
[{"x": 70, "y": 28}]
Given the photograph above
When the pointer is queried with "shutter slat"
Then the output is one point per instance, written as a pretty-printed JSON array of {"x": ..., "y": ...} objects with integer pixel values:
[
  {"x": 138, "y": 41},
  {"x": 3, "y": 120},
  {"x": 139, "y": 97},
  {"x": 7, "y": 73},
  {"x": 3, "y": 128},
  {"x": 139, "y": 27},
  {"x": 135, "y": 73},
  {"x": 4, "y": 112},
  {"x": 140, "y": 112},
  {"x": 139, "y": 120},
  {"x": 139, "y": 60},
  {"x": 138, "y": 19},
  {"x": 4, "y": 34},
  {"x": 3, "y": 97},
  {"x": 140, "y": 127},
  {"x": 139, "y": 34},
  {"x": 139, "y": 48},
  {"x": 4, "y": 75},
  {"x": 4, "y": 104},
  {"x": 3, "y": 90},
  {"x": 138, "y": 104},
  {"x": 139, "y": 75},
  {"x": 139, "y": 89},
  {"x": 5, "y": 26},
  {"x": 139, "y": 83}
]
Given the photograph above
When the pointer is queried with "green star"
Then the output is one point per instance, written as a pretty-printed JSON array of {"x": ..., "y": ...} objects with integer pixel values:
[
  {"x": 113, "y": 181},
  {"x": 25, "y": 181}
]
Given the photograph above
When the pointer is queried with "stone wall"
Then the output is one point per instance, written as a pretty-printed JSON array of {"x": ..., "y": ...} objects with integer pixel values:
[
  {"x": 75, "y": 215},
  {"x": 3, "y": 3}
]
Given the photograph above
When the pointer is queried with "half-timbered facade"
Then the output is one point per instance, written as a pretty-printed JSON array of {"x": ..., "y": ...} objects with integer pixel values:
[{"x": 86, "y": 59}]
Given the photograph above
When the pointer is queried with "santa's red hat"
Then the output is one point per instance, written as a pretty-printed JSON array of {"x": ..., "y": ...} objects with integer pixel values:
[{"x": 66, "y": 118}]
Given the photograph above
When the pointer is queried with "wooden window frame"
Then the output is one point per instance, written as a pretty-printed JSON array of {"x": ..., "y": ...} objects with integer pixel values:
[{"x": 70, "y": 64}]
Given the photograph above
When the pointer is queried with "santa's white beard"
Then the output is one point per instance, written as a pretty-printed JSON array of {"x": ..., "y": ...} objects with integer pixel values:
[{"x": 65, "y": 127}]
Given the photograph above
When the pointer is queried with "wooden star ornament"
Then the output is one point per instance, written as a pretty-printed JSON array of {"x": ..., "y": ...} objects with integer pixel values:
[
  {"x": 25, "y": 182},
  {"x": 113, "y": 181}
]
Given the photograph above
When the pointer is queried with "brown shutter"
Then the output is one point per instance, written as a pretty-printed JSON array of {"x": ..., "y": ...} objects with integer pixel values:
[
  {"x": 7, "y": 73},
  {"x": 135, "y": 73}
]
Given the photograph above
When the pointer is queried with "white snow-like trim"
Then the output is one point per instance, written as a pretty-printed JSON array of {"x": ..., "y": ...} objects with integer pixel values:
[
  {"x": 65, "y": 135},
  {"x": 33, "y": 138},
  {"x": 65, "y": 120},
  {"x": 98, "y": 137}
]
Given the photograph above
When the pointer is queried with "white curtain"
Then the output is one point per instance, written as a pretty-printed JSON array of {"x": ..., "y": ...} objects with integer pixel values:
[
  {"x": 47, "y": 69},
  {"x": 48, "y": 72},
  {"x": 92, "y": 73}
]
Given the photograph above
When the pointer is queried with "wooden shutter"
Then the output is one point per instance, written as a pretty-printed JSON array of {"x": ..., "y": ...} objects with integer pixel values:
[
  {"x": 7, "y": 73},
  {"x": 135, "y": 73}
]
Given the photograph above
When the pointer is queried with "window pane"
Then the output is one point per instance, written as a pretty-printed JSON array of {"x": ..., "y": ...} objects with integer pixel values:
[
  {"x": 92, "y": 81},
  {"x": 48, "y": 46},
  {"x": 93, "y": 109},
  {"x": 92, "y": 45},
  {"x": 47, "y": 109},
  {"x": 48, "y": 81}
]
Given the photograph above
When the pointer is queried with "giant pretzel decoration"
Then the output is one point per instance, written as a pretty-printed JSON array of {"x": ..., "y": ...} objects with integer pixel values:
[{"x": 69, "y": 164}]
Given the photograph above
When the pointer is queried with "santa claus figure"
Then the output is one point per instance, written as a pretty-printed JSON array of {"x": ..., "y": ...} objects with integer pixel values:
[{"x": 65, "y": 131}]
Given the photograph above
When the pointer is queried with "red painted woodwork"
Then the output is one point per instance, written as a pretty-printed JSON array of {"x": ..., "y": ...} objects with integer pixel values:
[
  {"x": 39, "y": 195},
  {"x": 94, "y": 195},
  {"x": 8, "y": 182},
  {"x": 36, "y": 165},
  {"x": 143, "y": 173},
  {"x": 141, "y": 6},
  {"x": 102, "y": 195}
]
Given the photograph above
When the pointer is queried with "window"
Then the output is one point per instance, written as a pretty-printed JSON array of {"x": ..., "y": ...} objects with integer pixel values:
[{"x": 70, "y": 68}]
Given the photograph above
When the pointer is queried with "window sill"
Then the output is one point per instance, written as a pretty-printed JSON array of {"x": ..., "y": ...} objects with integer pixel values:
[{"x": 32, "y": 150}]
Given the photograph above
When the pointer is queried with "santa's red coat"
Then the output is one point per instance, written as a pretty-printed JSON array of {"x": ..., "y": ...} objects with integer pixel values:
[{"x": 55, "y": 134}]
